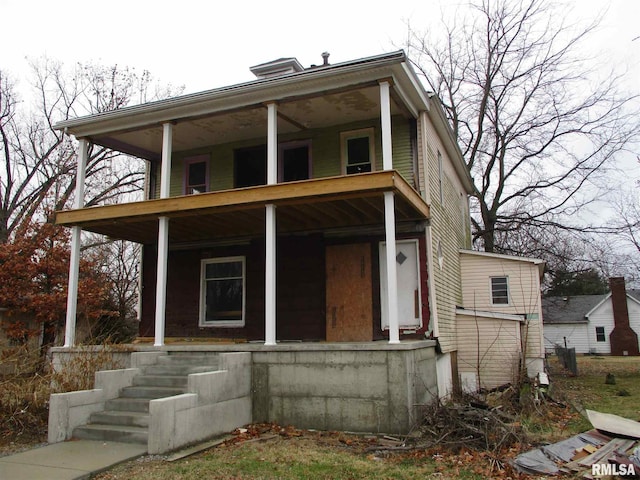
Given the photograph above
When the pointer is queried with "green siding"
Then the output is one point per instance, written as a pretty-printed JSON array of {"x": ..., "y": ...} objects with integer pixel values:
[
  {"x": 448, "y": 228},
  {"x": 325, "y": 153}
]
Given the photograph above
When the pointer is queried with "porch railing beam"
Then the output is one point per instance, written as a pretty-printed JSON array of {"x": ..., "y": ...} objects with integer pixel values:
[
  {"x": 74, "y": 261},
  {"x": 163, "y": 236}
]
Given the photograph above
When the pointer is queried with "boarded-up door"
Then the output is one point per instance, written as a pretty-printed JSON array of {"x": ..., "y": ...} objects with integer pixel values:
[{"x": 349, "y": 298}]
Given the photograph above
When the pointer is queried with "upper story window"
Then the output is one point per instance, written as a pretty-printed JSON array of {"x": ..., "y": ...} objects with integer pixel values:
[
  {"x": 295, "y": 161},
  {"x": 500, "y": 290},
  {"x": 250, "y": 166},
  {"x": 357, "y": 151},
  {"x": 196, "y": 174}
]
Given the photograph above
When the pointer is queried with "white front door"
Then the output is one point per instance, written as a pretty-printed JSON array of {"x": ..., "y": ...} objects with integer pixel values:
[{"x": 409, "y": 295}]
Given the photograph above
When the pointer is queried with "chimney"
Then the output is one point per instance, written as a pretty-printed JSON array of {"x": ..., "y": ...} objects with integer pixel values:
[
  {"x": 623, "y": 340},
  {"x": 325, "y": 58}
]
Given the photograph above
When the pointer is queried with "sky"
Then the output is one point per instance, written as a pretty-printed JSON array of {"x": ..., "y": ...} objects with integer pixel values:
[{"x": 206, "y": 44}]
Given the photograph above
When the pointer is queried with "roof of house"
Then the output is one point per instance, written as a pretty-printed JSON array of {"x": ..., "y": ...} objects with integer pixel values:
[
  {"x": 535, "y": 261},
  {"x": 575, "y": 309},
  {"x": 569, "y": 309}
]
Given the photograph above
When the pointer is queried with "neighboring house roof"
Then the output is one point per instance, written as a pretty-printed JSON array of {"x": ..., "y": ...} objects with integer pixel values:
[
  {"x": 578, "y": 308},
  {"x": 536, "y": 261},
  {"x": 569, "y": 309}
]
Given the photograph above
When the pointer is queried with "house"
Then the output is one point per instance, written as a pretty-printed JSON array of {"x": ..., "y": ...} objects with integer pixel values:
[
  {"x": 499, "y": 323},
  {"x": 307, "y": 226},
  {"x": 587, "y": 322}
]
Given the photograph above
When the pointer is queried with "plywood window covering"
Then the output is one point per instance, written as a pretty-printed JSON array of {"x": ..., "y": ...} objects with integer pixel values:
[
  {"x": 600, "y": 337},
  {"x": 357, "y": 151},
  {"x": 500, "y": 290},
  {"x": 222, "y": 294},
  {"x": 196, "y": 175}
]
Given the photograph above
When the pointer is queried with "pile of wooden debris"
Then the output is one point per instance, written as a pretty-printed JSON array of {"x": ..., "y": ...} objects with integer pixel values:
[
  {"x": 473, "y": 424},
  {"x": 612, "y": 447}
]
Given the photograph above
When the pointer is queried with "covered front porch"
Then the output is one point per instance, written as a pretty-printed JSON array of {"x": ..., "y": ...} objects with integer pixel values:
[{"x": 338, "y": 219}]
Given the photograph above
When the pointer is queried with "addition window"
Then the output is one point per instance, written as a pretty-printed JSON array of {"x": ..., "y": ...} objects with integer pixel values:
[
  {"x": 500, "y": 290},
  {"x": 600, "y": 335},
  {"x": 196, "y": 175},
  {"x": 222, "y": 292},
  {"x": 357, "y": 151}
]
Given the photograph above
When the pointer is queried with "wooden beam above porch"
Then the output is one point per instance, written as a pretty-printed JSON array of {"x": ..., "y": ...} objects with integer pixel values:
[{"x": 236, "y": 212}]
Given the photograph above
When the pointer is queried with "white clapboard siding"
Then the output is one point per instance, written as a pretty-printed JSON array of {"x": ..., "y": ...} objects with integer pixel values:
[
  {"x": 575, "y": 334},
  {"x": 493, "y": 344},
  {"x": 524, "y": 290}
]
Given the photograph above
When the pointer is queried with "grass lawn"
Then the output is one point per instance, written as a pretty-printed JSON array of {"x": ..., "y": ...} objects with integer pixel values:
[
  {"x": 589, "y": 391},
  {"x": 293, "y": 454}
]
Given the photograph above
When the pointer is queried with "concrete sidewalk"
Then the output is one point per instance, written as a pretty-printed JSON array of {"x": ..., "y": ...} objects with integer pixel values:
[{"x": 71, "y": 460}]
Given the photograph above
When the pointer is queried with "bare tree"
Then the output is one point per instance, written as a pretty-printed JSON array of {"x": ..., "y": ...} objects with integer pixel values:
[
  {"x": 37, "y": 174},
  {"x": 534, "y": 125}
]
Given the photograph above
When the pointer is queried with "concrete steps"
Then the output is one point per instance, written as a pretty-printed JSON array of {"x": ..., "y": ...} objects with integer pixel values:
[{"x": 126, "y": 418}]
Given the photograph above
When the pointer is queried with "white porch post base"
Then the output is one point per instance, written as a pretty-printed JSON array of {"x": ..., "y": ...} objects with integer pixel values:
[
  {"x": 270, "y": 277},
  {"x": 392, "y": 278},
  {"x": 161, "y": 282}
]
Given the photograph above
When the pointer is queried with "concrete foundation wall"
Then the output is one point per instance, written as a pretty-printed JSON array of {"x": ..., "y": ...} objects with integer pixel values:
[
  {"x": 365, "y": 391},
  {"x": 362, "y": 387}
]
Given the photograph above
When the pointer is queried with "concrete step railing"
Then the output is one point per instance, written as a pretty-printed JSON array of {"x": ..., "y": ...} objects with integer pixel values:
[{"x": 164, "y": 401}]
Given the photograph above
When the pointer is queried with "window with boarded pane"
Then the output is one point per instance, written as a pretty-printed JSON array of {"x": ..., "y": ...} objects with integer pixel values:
[
  {"x": 196, "y": 175},
  {"x": 358, "y": 154},
  {"x": 222, "y": 300},
  {"x": 600, "y": 335},
  {"x": 500, "y": 290}
]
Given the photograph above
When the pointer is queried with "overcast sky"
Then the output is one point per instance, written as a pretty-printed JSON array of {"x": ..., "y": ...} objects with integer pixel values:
[{"x": 207, "y": 44}]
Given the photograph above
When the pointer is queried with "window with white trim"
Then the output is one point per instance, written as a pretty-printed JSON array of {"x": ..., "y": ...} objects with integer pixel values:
[
  {"x": 222, "y": 292},
  {"x": 357, "y": 151},
  {"x": 196, "y": 174},
  {"x": 600, "y": 336},
  {"x": 500, "y": 290}
]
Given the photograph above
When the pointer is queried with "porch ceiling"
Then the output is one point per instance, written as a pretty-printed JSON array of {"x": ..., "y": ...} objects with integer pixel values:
[
  {"x": 295, "y": 114},
  {"x": 309, "y": 205}
]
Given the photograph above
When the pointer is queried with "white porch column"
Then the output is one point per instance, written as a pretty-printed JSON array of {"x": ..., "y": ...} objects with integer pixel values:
[
  {"x": 74, "y": 261},
  {"x": 270, "y": 229},
  {"x": 385, "y": 121},
  {"x": 392, "y": 277},
  {"x": 389, "y": 215},
  {"x": 163, "y": 236}
]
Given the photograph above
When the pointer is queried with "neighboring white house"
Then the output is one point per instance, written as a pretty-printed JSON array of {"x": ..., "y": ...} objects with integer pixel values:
[
  {"x": 584, "y": 322},
  {"x": 500, "y": 321}
]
